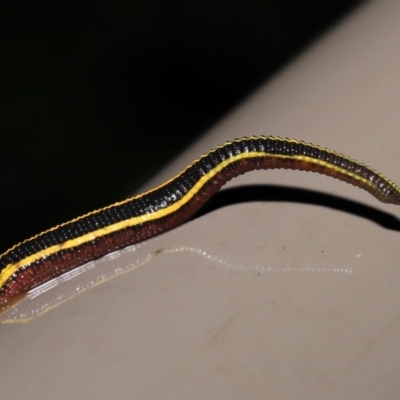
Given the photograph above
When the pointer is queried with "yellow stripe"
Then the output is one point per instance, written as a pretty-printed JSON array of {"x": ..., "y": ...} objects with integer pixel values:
[
  {"x": 10, "y": 269},
  {"x": 274, "y": 138}
]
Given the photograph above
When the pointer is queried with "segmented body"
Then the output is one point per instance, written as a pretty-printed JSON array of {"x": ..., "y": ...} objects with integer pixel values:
[{"x": 67, "y": 246}]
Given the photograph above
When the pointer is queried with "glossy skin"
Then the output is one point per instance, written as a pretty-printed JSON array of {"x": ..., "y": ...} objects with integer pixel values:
[{"x": 96, "y": 234}]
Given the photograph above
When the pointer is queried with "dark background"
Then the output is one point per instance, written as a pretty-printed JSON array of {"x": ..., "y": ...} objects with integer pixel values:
[{"x": 98, "y": 96}]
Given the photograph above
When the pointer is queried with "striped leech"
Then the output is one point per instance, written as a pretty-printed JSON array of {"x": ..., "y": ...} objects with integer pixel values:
[{"x": 91, "y": 236}]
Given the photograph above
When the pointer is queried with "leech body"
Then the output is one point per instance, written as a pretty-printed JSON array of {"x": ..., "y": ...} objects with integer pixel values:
[{"x": 67, "y": 246}]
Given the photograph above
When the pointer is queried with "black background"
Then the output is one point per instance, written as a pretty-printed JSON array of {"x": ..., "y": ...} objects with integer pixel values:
[{"x": 98, "y": 96}]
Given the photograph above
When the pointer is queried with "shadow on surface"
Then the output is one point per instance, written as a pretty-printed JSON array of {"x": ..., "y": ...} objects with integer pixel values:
[
  {"x": 99, "y": 96},
  {"x": 269, "y": 193}
]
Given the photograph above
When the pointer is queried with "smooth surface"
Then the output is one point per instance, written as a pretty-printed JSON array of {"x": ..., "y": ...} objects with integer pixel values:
[{"x": 257, "y": 299}]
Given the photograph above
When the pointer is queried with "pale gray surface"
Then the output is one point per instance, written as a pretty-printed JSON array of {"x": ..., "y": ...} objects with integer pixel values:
[{"x": 258, "y": 300}]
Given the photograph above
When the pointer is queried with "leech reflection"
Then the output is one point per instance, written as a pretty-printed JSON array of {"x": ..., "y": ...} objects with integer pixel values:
[{"x": 66, "y": 287}]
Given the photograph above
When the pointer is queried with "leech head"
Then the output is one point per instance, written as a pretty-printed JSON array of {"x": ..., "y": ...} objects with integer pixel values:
[
  {"x": 391, "y": 197},
  {"x": 396, "y": 200}
]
